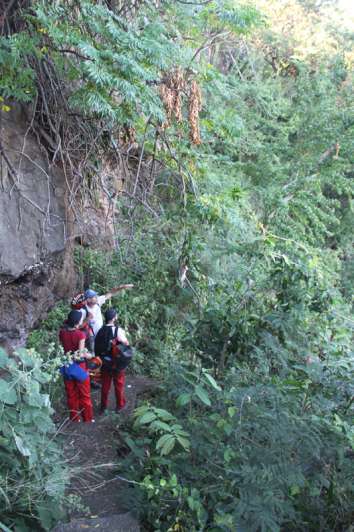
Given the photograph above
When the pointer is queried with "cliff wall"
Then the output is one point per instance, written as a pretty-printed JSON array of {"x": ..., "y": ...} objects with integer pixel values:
[{"x": 36, "y": 263}]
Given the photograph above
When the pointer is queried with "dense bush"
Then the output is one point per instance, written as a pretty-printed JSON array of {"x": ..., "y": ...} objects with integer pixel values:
[
  {"x": 47, "y": 336},
  {"x": 268, "y": 444},
  {"x": 33, "y": 474},
  {"x": 265, "y": 451}
]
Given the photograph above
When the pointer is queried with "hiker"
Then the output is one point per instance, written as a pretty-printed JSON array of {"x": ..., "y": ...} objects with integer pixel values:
[
  {"x": 93, "y": 307},
  {"x": 76, "y": 377},
  {"x": 94, "y": 303},
  {"x": 110, "y": 343},
  {"x": 89, "y": 303},
  {"x": 78, "y": 302}
]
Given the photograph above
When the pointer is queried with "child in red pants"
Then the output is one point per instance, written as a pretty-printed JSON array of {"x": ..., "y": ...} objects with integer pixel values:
[
  {"x": 105, "y": 347},
  {"x": 78, "y": 393}
]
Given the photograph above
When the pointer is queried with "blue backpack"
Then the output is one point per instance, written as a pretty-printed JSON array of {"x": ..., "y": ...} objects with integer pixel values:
[{"x": 74, "y": 372}]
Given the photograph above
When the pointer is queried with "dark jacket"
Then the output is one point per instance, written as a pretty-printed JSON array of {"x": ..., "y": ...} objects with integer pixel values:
[{"x": 103, "y": 340}]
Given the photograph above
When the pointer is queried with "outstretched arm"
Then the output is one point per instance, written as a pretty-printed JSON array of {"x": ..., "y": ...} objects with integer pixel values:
[{"x": 118, "y": 289}]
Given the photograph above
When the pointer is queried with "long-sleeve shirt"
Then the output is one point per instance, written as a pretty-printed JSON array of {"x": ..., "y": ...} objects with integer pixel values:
[{"x": 96, "y": 321}]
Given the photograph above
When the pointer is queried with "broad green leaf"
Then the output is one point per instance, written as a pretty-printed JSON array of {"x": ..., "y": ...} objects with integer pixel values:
[
  {"x": 168, "y": 446},
  {"x": 164, "y": 414},
  {"x": 231, "y": 411},
  {"x": 228, "y": 454},
  {"x": 212, "y": 381},
  {"x": 159, "y": 425},
  {"x": 191, "y": 503},
  {"x": 36, "y": 399},
  {"x": 161, "y": 441},
  {"x": 8, "y": 394},
  {"x": 146, "y": 418},
  {"x": 183, "y": 399},
  {"x": 26, "y": 359},
  {"x": 202, "y": 394},
  {"x": 184, "y": 442},
  {"x": 21, "y": 446}
]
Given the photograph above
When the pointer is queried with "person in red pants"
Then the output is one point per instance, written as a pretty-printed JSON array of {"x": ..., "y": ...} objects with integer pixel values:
[
  {"x": 112, "y": 368},
  {"x": 78, "y": 393},
  {"x": 118, "y": 378}
]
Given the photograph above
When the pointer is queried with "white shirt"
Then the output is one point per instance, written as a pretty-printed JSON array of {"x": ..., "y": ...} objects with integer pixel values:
[
  {"x": 121, "y": 336},
  {"x": 96, "y": 321}
]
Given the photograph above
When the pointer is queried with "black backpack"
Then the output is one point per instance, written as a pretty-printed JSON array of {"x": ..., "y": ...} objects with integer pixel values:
[
  {"x": 123, "y": 356},
  {"x": 115, "y": 355},
  {"x": 103, "y": 341}
]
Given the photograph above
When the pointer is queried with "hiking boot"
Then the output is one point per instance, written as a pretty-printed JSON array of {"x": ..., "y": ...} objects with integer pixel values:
[
  {"x": 121, "y": 408},
  {"x": 102, "y": 410}
]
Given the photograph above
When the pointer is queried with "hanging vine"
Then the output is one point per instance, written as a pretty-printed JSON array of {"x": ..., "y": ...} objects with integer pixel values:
[
  {"x": 195, "y": 104},
  {"x": 172, "y": 90}
]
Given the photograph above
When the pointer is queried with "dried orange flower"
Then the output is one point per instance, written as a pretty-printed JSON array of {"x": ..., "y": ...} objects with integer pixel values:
[{"x": 195, "y": 105}]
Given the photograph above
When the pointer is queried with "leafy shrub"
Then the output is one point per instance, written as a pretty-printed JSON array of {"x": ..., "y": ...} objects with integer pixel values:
[
  {"x": 47, "y": 335},
  {"x": 33, "y": 476},
  {"x": 264, "y": 453}
]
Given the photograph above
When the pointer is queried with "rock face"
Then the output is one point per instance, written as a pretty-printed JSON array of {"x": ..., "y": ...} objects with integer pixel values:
[
  {"x": 35, "y": 261},
  {"x": 32, "y": 210}
]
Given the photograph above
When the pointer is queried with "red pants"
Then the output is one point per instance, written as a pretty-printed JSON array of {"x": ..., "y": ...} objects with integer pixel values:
[
  {"x": 119, "y": 384},
  {"x": 78, "y": 395}
]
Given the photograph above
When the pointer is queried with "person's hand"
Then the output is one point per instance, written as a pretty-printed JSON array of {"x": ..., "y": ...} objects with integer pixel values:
[
  {"x": 118, "y": 289},
  {"x": 86, "y": 354}
]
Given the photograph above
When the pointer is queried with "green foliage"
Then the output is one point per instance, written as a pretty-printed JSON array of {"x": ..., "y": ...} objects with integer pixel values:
[
  {"x": 112, "y": 62},
  {"x": 47, "y": 337},
  {"x": 17, "y": 77},
  {"x": 263, "y": 435},
  {"x": 112, "y": 66},
  {"x": 252, "y": 427},
  {"x": 32, "y": 473},
  {"x": 160, "y": 423},
  {"x": 265, "y": 312}
]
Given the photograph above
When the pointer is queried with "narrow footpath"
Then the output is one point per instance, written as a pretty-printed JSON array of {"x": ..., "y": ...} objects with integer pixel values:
[{"x": 92, "y": 452}]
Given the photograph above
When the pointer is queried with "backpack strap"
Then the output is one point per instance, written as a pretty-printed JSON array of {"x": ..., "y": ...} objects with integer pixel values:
[{"x": 113, "y": 337}]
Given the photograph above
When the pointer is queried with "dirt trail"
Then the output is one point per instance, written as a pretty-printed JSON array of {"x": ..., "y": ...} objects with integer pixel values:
[{"x": 93, "y": 450}]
